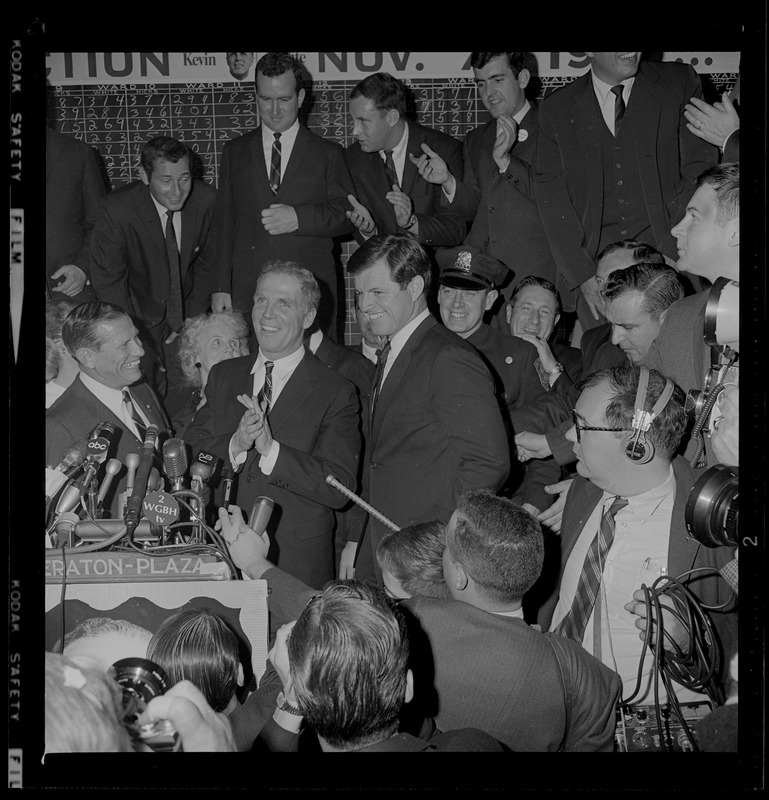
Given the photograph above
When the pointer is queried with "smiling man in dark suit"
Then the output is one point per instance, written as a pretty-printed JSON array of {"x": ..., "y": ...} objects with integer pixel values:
[
  {"x": 300, "y": 424},
  {"x": 282, "y": 195},
  {"x": 108, "y": 388},
  {"x": 148, "y": 252},
  {"x": 384, "y": 161},
  {"x": 436, "y": 428}
]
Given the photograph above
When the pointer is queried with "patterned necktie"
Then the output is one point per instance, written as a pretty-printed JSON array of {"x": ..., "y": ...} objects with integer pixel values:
[
  {"x": 389, "y": 165},
  {"x": 574, "y": 623},
  {"x": 130, "y": 408},
  {"x": 619, "y": 108},
  {"x": 265, "y": 393},
  {"x": 376, "y": 383},
  {"x": 275, "y": 164},
  {"x": 175, "y": 311}
]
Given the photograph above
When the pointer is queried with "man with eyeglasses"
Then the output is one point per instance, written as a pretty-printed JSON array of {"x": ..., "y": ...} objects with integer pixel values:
[
  {"x": 623, "y": 526},
  {"x": 436, "y": 429}
]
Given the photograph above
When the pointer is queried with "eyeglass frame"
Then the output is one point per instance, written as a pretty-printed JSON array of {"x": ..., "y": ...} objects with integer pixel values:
[{"x": 578, "y": 427}]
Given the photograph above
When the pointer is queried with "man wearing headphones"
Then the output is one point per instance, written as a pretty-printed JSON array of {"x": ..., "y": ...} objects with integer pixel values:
[{"x": 623, "y": 526}]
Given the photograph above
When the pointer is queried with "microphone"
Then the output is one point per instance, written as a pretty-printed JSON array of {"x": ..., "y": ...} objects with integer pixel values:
[
  {"x": 65, "y": 524},
  {"x": 131, "y": 462},
  {"x": 228, "y": 477},
  {"x": 68, "y": 500},
  {"x": 73, "y": 457},
  {"x": 261, "y": 511},
  {"x": 71, "y": 462},
  {"x": 96, "y": 452},
  {"x": 113, "y": 467},
  {"x": 154, "y": 482},
  {"x": 175, "y": 462},
  {"x": 133, "y": 506},
  {"x": 90, "y": 532}
]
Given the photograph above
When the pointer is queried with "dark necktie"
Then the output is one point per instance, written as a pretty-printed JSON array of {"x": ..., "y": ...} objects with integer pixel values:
[
  {"x": 141, "y": 428},
  {"x": 574, "y": 623},
  {"x": 265, "y": 393},
  {"x": 376, "y": 383},
  {"x": 619, "y": 108},
  {"x": 389, "y": 165},
  {"x": 275, "y": 164},
  {"x": 175, "y": 312}
]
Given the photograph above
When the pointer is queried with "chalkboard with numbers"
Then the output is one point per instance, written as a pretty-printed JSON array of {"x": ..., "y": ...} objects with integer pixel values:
[{"x": 116, "y": 118}]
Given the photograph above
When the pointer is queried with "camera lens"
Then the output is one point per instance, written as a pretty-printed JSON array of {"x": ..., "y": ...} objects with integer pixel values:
[
  {"x": 712, "y": 508},
  {"x": 141, "y": 678}
]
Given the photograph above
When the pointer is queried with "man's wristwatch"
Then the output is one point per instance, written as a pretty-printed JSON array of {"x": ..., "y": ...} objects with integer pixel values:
[
  {"x": 412, "y": 221},
  {"x": 557, "y": 368},
  {"x": 284, "y": 705}
]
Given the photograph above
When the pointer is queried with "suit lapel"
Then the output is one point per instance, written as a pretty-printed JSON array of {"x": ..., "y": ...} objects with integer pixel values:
[
  {"x": 295, "y": 163},
  {"x": 259, "y": 168},
  {"x": 396, "y": 373},
  {"x": 189, "y": 226},
  {"x": 413, "y": 147},
  {"x": 588, "y": 124},
  {"x": 297, "y": 389},
  {"x": 645, "y": 107},
  {"x": 151, "y": 220}
]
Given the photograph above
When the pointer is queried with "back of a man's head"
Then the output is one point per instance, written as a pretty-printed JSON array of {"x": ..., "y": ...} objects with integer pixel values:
[
  {"x": 724, "y": 179},
  {"x": 348, "y": 655},
  {"x": 498, "y": 544},
  {"x": 105, "y": 641}
]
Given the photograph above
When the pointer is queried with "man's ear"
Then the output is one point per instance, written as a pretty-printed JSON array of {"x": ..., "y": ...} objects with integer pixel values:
[
  {"x": 309, "y": 318},
  {"x": 508, "y": 313},
  {"x": 409, "y": 686},
  {"x": 523, "y": 78},
  {"x": 416, "y": 287},
  {"x": 300, "y": 97},
  {"x": 85, "y": 356},
  {"x": 734, "y": 232},
  {"x": 393, "y": 117},
  {"x": 143, "y": 175},
  {"x": 241, "y": 677},
  {"x": 460, "y": 577},
  {"x": 491, "y": 297}
]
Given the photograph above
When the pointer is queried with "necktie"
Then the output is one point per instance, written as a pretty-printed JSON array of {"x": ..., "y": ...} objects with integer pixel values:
[
  {"x": 573, "y": 624},
  {"x": 275, "y": 164},
  {"x": 389, "y": 165},
  {"x": 376, "y": 383},
  {"x": 175, "y": 303},
  {"x": 265, "y": 393},
  {"x": 619, "y": 108},
  {"x": 130, "y": 408}
]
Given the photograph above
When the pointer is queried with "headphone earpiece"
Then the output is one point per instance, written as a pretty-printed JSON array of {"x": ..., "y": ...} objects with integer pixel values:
[{"x": 637, "y": 448}]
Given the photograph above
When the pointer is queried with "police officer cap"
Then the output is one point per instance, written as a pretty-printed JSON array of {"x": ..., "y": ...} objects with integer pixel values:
[{"x": 467, "y": 267}]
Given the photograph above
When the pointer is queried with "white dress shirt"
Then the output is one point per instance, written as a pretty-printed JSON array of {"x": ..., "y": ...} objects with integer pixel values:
[
  {"x": 287, "y": 141},
  {"x": 607, "y": 99}
]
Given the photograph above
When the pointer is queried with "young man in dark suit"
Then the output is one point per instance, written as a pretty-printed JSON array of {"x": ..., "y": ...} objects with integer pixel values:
[
  {"x": 301, "y": 423},
  {"x": 149, "y": 253},
  {"x": 108, "y": 388},
  {"x": 390, "y": 195},
  {"x": 436, "y": 429},
  {"x": 282, "y": 195},
  {"x": 614, "y": 161}
]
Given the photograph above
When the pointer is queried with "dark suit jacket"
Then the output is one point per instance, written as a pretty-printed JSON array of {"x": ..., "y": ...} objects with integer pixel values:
[
  {"x": 506, "y": 221},
  {"x": 316, "y": 419},
  {"x": 437, "y": 432},
  {"x": 684, "y": 552},
  {"x": 439, "y": 225},
  {"x": 77, "y": 412},
  {"x": 568, "y": 168},
  {"x": 129, "y": 265},
  {"x": 316, "y": 183},
  {"x": 74, "y": 188},
  {"x": 495, "y": 673}
]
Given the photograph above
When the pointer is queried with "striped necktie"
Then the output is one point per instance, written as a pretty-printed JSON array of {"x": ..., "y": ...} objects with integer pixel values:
[
  {"x": 130, "y": 408},
  {"x": 275, "y": 164},
  {"x": 619, "y": 108},
  {"x": 389, "y": 165},
  {"x": 264, "y": 397},
  {"x": 574, "y": 623}
]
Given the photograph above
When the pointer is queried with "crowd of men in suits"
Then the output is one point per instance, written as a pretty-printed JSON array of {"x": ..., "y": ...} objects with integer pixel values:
[{"x": 544, "y": 462}]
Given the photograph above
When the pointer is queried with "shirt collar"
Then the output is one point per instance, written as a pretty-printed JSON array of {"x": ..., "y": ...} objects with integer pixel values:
[
  {"x": 285, "y": 136},
  {"x": 522, "y": 113},
  {"x": 280, "y": 365},
  {"x": 162, "y": 211},
  {"x": 398, "y": 340},
  {"x": 603, "y": 89},
  {"x": 645, "y": 504},
  {"x": 106, "y": 394},
  {"x": 399, "y": 148},
  {"x": 313, "y": 343}
]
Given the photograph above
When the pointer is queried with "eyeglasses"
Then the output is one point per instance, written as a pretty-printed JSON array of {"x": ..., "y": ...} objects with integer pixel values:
[{"x": 579, "y": 427}]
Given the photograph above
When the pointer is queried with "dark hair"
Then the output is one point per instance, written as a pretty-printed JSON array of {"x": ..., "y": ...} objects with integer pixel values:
[
  {"x": 403, "y": 254},
  {"x": 384, "y": 90},
  {"x": 533, "y": 280},
  {"x": 641, "y": 251},
  {"x": 83, "y": 709},
  {"x": 658, "y": 283},
  {"x": 82, "y": 327},
  {"x": 197, "y": 645},
  {"x": 667, "y": 428},
  {"x": 414, "y": 556},
  {"x": 271, "y": 65},
  {"x": 517, "y": 61},
  {"x": 725, "y": 180},
  {"x": 498, "y": 544},
  {"x": 161, "y": 147},
  {"x": 348, "y": 654},
  {"x": 308, "y": 283}
]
